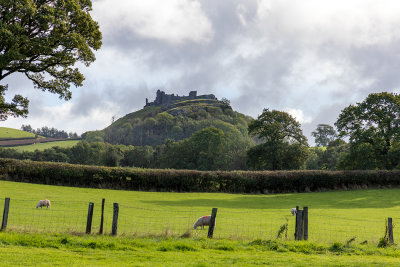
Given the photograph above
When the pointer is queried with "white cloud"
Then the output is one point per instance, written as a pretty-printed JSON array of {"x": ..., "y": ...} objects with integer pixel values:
[
  {"x": 313, "y": 56},
  {"x": 298, "y": 115},
  {"x": 63, "y": 118},
  {"x": 315, "y": 22},
  {"x": 173, "y": 21},
  {"x": 242, "y": 11}
]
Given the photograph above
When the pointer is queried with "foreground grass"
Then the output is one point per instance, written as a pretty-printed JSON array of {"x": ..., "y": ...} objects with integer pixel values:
[
  {"x": 19, "y": 249},
  {"x": 333, "y": 216},
  {"x": 6, "y": 132},
  {"x": 43, "y": 146}
]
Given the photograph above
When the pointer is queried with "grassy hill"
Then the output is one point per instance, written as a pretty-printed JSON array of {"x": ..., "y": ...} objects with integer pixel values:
[
  {"x": 154, "y": 125},
  {"x": 14, "y": 133},
  {"x": 43, "y": 146},
  {"x": 25, "y": 141}
]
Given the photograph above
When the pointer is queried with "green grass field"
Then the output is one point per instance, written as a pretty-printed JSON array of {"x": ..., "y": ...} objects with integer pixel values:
[
  {"x": 43, "y": 146},
  {"x": 150, "y": 224},
  {"x": 17, "y": 249},
  {"x": 14, "y": 133},
  {"x": 333, "y": 216}
]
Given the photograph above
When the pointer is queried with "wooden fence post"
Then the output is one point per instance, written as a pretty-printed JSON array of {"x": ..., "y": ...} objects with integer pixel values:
[
  {"x": 5, "y": 214},
  {"x": 299, "y": 225},
  {"x": 305, "y": 223},
  {"x": 89, "y": 218},
  {"x": 390, "y": 230},
  {"x": 212, "y": 223},
  {"x": 115, "y": 219},
  {"x": 295, "y": 227},
  {"x": 103, "y": 201}
]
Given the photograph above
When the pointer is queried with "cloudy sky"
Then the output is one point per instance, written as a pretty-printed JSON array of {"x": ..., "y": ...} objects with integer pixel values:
[{"x": 310, "y": 58}]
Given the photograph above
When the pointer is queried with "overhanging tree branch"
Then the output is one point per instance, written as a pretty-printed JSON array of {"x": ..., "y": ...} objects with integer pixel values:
[{"x": 45, "y": 38}]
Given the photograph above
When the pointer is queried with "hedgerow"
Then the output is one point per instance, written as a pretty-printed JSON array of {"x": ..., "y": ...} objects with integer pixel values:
[{"x": 191, "y": 180}]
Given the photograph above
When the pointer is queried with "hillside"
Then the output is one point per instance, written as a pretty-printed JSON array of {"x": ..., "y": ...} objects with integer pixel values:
[
  {"x": 27, "y": 141},
  {"x": 175, "y": 120},
  {"x": 44, "y": 145},
  {"x": 10, "y": 133}
]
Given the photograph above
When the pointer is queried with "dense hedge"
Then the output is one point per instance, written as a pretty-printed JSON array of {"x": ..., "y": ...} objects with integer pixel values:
[{"x": 192, "y": 181}]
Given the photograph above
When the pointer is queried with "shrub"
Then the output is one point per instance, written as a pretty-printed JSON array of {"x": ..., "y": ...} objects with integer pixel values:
[{"x": 191, "y": 180}]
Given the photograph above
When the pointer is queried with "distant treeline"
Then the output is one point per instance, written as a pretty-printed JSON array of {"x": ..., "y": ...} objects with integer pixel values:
[
  {"x": 49, "y": 132},
  {"x": 191, "y": 180},
  {"x": 273, "y": 141},
  {"x": 203, "y": 151}
]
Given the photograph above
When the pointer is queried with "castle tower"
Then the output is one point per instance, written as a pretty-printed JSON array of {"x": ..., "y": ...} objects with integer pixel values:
[{"x": 192, "y": 94}]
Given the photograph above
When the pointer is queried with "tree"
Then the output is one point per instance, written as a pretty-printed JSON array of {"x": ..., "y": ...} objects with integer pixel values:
[
  {"x": 330, "y": 157},
  {"x": 373, "y": 126},
  {"x": 324, "y": 134},
  {"x": 226, "y": 101},
  {"x": 141, "y": 156},
  {"x": 27, "y": 128},
  {"x": 204, "y": 150},
  {"x": 284, "y": 145},
  {"x": 314, "y": 158},
  {"x": 43, "y": 40}
]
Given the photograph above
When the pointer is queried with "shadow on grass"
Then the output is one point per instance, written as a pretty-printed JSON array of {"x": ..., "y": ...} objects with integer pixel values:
[{"x": 353, "y": 199}]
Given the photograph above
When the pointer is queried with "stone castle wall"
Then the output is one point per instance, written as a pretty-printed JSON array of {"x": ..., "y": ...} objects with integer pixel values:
[{"x": 164, "y": 99}]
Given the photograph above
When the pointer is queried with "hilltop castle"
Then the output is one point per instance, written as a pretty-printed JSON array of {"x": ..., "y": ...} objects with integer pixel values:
[{"x": 163, "y": 99}]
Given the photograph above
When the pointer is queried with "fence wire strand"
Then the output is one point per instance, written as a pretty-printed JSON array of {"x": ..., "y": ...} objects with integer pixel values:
[{"x": 71, "y": 217}]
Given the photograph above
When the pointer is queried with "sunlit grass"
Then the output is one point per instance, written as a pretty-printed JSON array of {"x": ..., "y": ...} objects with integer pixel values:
[
  {"x": 43, "y": 146},
  {"x": 14, "y": 133},
  {"x": 333, "y": 216},
  {"x": 17, "y": 249}
]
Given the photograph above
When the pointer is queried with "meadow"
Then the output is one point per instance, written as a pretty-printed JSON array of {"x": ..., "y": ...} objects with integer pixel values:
[
  {"x": 43, "y": 146},
  {"x": 14, "y": 133},
  {"x": 333, "y": 216},
  {"x": 155, "y": 228},
  {"x": 18, "y": 249}
]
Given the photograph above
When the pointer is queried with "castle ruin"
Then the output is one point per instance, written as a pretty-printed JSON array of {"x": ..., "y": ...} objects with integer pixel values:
[{"x": 164, "y": 99}]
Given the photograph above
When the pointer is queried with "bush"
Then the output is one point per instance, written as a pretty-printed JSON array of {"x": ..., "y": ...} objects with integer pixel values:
[{"x": 191, "y": 180}]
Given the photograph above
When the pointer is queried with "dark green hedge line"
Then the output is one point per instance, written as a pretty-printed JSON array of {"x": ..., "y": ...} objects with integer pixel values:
[{"x": 192, "y": 181}]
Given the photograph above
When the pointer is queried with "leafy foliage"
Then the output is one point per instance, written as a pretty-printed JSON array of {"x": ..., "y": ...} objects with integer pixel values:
[
  {"x": 203, "y": 151},
  {"x": 324, "y": 134},
  {"x": 49, "y": 132},
  {"x": 152, "y": 126},
  {"x": 329, "y": 158},
  {"x": 43, "y": 39},
  {"x": 284, "y": 147},
  {"x": 17, "y": 107},
  {"x": 192, "y": 134},
  {"x": 207, "y": 149},
  {"x": 373, "y": 128},
  {"x": 192, "y": 180}
]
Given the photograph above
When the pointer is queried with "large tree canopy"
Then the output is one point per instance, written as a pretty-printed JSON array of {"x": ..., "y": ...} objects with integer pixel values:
[
  {"x": 43, "y": 40},
  {"x": 373, "y": 128},
  {"x": 204, "y": 150},
  {"x": 284, "y": 147},
  {"x": 324, "y": 134}
]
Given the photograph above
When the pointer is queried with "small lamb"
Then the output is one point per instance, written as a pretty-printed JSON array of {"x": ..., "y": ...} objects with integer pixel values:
[
  {"x": 43, "y": 203},
  {"x": 293, "y": 211},
  {"x": 205, "y": 220}
]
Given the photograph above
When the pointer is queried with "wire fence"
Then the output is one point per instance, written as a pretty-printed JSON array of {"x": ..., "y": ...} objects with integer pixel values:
[
  {"x": 333, "y": 228},
  {"x": 71, "y": 217}
]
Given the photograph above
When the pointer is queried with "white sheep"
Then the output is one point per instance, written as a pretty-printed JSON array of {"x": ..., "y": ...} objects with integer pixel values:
[
  {"x": 205, "y": 220},
  {"x": 293, "y": 211},
  {"x": 43, "y": 203}
]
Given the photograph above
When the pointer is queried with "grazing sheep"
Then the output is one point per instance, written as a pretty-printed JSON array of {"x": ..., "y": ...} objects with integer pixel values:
[
  {"x": 205, "y": 220},
  {"x": 43, "y": 203},
  {"x": 294, "y": 211}
]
